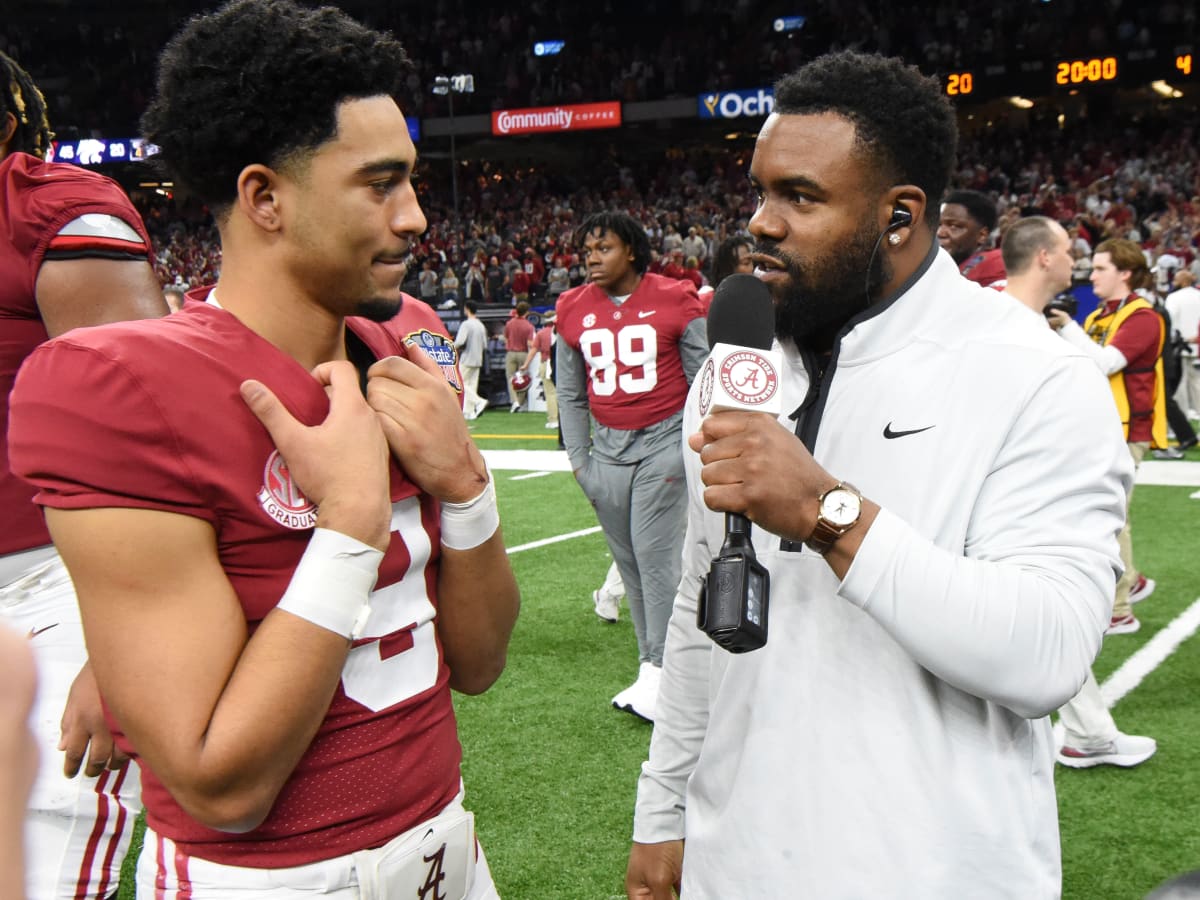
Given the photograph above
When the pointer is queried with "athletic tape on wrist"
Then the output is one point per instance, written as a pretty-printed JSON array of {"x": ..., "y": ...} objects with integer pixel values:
[
  {"x": 333, "y": 582},
  {"x": 467, "y": 525}
]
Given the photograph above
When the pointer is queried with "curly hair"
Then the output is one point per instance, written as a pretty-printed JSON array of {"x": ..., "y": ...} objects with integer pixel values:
[
  {"x": 626, "y": 228},
  {"x": 904, "y": 125},
  {"x": 978, "y": 206},
  {"x": 725, "y": 260},
  {"x": 260, "y": 81},
  {"x": 21, "y": 97}
]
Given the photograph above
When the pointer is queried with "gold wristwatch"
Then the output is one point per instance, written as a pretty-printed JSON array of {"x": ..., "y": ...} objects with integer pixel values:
[{"x": 838, "y": 511}]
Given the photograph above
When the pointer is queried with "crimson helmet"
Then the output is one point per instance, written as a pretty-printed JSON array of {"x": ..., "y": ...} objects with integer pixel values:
[{"x": 521, "y": 381}]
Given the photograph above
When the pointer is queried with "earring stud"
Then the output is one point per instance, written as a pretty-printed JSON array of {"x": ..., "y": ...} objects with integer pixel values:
[{"x": 894, "y": 240}]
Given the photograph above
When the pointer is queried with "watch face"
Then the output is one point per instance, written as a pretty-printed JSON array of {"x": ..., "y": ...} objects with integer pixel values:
[{"x": 841, "y": 507}]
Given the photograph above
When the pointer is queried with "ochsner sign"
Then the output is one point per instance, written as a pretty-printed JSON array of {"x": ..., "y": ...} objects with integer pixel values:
[
  {"x": 735, "y": 104},
  {"x": 576, "y": 117}
]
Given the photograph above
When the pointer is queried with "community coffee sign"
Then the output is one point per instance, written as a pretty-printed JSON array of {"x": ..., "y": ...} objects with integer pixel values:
[{"x": 576, "y": 117}]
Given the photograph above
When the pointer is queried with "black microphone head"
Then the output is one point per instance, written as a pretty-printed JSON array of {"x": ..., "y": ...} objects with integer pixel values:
[{"x": 742, "y": 313}]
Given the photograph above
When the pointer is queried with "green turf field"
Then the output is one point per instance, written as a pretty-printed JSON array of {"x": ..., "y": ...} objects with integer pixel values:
[{"x": 551, "y": 768}]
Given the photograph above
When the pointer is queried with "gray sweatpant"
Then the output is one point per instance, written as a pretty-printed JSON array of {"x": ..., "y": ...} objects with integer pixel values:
[{"x": 642, "y": 508}]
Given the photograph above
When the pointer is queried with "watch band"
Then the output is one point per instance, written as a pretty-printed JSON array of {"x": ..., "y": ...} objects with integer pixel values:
[{"x": 825, "y": 533}]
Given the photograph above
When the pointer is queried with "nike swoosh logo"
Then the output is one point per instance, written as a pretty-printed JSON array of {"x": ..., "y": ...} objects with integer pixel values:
[
  {"x": 644, "y": 313},
  {"x": 34, "y": 632},
  {"x": 890, "y": 435}
]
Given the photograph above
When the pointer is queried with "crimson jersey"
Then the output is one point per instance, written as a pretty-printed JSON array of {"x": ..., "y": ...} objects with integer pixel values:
[
  {"x": 148, "y": 415},
  {"x": 36, "y": 200},
  {"x": 985, "y": 268},
  {"x": 635, "y": 374}
]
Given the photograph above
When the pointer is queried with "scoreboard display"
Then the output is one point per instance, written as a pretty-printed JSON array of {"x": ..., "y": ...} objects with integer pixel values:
[{"x": 1043, "y": 77}]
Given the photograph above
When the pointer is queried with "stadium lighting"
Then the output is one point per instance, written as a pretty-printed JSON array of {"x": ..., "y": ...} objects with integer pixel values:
[
  {"x": 1021, "y": 102},
  {"x": 1163, "y": 89},
  {"x": 447, "y": 86}
]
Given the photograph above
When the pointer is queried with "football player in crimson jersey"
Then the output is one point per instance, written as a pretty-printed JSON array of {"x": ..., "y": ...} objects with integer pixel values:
[
  {"x": 73, "y": 251},
  {"x": 630, "y": 343},
  {"x": 285, "y": 545}
]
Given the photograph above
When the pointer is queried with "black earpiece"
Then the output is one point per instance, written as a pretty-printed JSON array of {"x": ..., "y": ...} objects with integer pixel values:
[{"x": 900, "y": 217}]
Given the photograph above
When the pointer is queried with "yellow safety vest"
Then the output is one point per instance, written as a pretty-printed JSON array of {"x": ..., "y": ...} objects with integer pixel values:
[{"x": 1100, "y": 328}]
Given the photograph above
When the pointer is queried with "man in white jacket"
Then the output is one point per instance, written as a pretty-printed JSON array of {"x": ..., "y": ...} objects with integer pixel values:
[
  {"x": 891, "y": 739},
  {"x": 1038, "y": 263}
]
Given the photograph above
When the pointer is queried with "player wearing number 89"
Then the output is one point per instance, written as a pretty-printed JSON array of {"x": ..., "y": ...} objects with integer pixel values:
[
  {"x": 285, "y": 545},
  {"x": 630, "y": 343}
]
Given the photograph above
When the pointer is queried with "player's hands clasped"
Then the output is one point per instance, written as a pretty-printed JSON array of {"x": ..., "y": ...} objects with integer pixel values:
[
  {"x": 755, "y": 467},
  {"x": 341, "y": 465},
  {"x": 424, "y": 426}
]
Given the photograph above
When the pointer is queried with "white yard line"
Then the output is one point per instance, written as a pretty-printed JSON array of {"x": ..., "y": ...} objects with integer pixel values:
[
  {"x": 529, "y": 475},
  {"x": 1151, "y": 655},
  {"x": 536, "y": 460},
  {"x": 1172, "y": 473},
  {"x": 544, "y": 542}
]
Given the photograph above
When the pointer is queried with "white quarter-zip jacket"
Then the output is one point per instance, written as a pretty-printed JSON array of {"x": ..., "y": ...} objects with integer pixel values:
[{"x": 892, "y": 739}]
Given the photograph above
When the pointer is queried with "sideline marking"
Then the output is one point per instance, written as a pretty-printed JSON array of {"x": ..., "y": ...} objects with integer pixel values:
[
  {"x": 1169, "y": 473},
  {"x": 544, "y": 542},
  {"x": 516, "y": 437},
  {"x": 530, "y": 475},
  {"x": 1151, "y": 655},
  {"x": 527, "y": 460}
]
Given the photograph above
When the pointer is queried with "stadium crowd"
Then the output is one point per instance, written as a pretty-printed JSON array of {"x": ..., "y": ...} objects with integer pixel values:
[
  {"x": 513, "y": 236},
  {"x": 98, "y": 72}
]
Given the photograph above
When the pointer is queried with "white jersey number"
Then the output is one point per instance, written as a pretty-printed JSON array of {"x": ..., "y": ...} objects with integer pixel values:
[
  {"x": 377, "y": 674},
  {"x": 634, "y": 347}
]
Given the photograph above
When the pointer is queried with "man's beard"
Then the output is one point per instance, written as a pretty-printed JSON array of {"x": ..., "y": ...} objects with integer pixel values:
[
  {"x": 381, "y": 309},
  {"x": 378, "y": 309},
  {"x": 824, "y": 292}
]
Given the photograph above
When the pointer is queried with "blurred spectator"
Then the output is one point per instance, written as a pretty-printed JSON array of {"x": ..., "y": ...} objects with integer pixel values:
[
  {"x": 428, "y": 281},
  {"x": 518, "y": 335},
  {"x": 1183, "y": 305},
  {"x": 449, "y": 289}
]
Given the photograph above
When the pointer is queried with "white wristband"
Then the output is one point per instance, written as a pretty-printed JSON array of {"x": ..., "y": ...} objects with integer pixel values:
[
  {"x": 467, "y": 525},
  {"x": 333, "y": 582}
]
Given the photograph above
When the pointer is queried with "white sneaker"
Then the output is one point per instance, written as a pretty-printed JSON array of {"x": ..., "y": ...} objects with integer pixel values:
[
  {"x": 479, "y": 409},
  {"x": 1125, "y": 750},
  {"x": 608, "y": 608},
  {"x": 641, "y": 697},
  {"x": 1142, "y": 589},
  {"x": 551, "y": 424}
]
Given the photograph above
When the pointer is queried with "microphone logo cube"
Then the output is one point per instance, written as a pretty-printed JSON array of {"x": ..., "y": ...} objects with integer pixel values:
[
  {"x": 736, "y": 377},
  {"x": 741, "y": 378},
  {"x": 749, "y": 378}
]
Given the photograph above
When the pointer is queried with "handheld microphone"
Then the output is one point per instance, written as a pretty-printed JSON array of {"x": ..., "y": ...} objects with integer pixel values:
[{"x": 741, "y": 372}]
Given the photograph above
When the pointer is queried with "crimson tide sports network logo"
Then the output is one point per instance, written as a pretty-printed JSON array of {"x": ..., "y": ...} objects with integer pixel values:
[
  {"x": 748, "y": 377},
  {"x": 282, "y": 500},
  {"x": 708, "y": 377}
]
